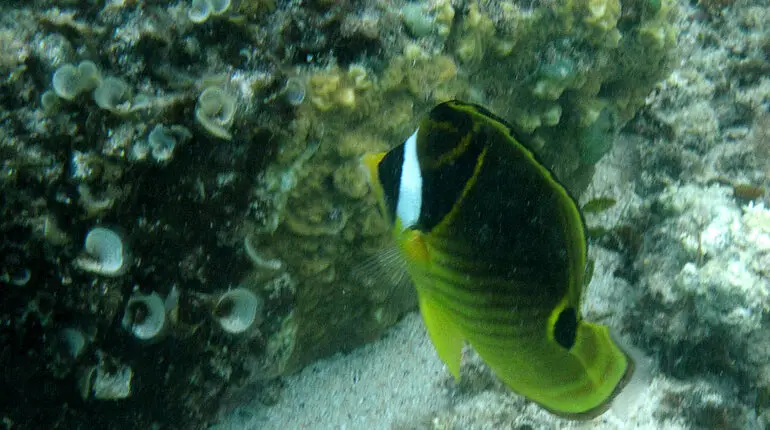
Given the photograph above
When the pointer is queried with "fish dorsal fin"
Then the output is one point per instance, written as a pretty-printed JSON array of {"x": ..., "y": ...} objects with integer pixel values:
[{"x": 443, "y": 332}]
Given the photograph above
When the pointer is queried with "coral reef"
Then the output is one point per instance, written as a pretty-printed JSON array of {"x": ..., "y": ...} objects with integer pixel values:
[
  {"x": 709, "y": 296},
  {"x": 703, "y": 283},
  {"x": 254, "y": 115}
]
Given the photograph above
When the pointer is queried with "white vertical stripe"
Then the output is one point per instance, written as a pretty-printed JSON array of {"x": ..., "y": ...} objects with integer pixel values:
[{"x": 410, "y": 189}]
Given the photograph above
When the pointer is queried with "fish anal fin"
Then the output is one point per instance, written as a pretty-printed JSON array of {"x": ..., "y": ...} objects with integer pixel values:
[
  {"x": 607, "y": 364},
  {"x": 444, "y": 334},
  {"x": 577, "y": 384}
]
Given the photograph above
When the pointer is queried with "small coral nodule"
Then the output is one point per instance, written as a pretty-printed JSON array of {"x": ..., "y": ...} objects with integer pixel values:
[
  {"x": 238, "y": 310},
  {"x": 215, "y": 111},
  {"x": 50, "y": 102},
  {"x": 70, "y": 81},
  {"x": 114, "y": 95},
  {"x": 294, "y": 91},
  {"x": 201, "y": 10},
  {"x": 73, "y": 341},
  {"x": 145, "y": 316},
  {"x": 105, "y": 253},
  {"x": 162, "y": 140},
  {"x": 105, "y": 381}
]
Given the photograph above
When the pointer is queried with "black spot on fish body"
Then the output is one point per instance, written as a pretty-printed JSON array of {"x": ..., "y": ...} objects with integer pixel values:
[{"x": 565, "y": 329}]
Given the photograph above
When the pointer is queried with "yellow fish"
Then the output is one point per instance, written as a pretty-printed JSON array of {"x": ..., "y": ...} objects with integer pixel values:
[{"x": 496, "y": 249}]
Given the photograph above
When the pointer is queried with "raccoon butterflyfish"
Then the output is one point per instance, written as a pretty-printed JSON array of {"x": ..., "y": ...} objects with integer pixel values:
[{"x": 496, "y": 249}]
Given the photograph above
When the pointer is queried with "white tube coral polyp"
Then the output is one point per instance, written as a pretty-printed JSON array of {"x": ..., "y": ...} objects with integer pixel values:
[
  {"x": 105, "y": 253},
  {"x": 145, "y": 316},
  {"x": 238, "y": 310}
]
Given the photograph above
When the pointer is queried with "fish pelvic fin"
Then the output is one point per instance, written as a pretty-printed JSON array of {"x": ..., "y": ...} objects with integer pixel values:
[{"x": 443, "y": 332}]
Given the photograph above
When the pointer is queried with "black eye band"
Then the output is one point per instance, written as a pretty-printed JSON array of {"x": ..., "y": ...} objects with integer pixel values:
[{"x": 389, "y": 171}]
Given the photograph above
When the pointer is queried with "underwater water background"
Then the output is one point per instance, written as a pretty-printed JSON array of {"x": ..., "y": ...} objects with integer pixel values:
[{"x": 184, "y": 218}]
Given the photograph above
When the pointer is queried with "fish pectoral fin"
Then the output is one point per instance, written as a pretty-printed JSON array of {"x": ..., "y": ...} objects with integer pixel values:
[
  {"x": 386, "y": 268},
  {"x": 445, "y": 335}
]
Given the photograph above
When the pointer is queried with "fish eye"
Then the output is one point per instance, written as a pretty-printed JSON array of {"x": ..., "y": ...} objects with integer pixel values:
[{"x": 565, "y": 329}]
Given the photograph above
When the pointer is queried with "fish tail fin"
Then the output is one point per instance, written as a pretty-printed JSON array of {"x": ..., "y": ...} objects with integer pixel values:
[{"x": 445, "y": 335}]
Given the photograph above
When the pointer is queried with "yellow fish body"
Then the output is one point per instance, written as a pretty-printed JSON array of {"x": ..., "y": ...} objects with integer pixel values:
[{"x": 497, "y": 251}]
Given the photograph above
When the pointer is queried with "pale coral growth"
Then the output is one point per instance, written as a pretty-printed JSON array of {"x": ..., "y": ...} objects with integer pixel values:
[
  {"x": 13, "y": 51},
  {"x": 760, "y": 139},
  {"x": 756, "y": 218}
]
